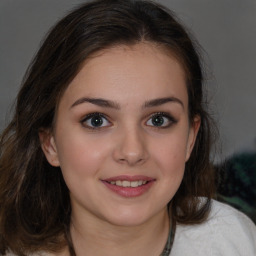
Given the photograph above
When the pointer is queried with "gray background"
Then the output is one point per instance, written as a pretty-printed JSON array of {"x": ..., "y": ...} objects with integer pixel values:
[{"x": 226, "y": 29}]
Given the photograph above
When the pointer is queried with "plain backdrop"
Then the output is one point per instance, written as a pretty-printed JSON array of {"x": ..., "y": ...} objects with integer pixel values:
[{"x": 226, "y": 29}]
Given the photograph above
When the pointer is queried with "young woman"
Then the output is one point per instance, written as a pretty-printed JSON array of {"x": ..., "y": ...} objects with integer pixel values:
[{"x": 108, "y": 149}]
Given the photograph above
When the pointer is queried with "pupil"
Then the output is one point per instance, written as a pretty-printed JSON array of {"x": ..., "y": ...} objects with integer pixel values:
[
  {"x": 158, "y": 120},
  {"x": 96, "y": 121}
]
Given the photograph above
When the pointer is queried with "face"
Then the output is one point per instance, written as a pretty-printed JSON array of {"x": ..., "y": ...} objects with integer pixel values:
[{"x": 122, "y": 135}]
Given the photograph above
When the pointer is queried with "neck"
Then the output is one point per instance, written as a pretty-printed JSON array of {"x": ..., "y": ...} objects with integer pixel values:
[{"x": 103, "y": 238}]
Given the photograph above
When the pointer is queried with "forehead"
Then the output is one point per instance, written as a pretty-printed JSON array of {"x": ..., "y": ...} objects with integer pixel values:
[{"x": 139, "y": 72}]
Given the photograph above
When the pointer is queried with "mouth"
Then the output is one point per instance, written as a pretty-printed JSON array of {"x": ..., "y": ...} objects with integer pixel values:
[{"x": 129, "y": 186}]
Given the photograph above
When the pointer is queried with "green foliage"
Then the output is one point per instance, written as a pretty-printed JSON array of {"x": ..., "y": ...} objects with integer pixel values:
[{"x": 238, "y": 183}]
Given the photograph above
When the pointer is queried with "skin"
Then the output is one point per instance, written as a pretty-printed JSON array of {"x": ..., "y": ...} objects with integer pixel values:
[{"x": 126, "y": 143}]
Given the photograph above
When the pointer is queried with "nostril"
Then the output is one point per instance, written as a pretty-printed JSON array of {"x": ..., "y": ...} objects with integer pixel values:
[
  {"x": 131, "y": 161},
  {"x": 130, "y": 148}
]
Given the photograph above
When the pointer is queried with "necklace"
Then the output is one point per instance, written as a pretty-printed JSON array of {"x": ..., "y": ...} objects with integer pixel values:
[
  {"x": 166, "y": 251},
  {"x": 169, "y": 243}
]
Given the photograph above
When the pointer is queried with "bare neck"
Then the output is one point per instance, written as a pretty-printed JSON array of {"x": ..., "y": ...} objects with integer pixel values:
[{"x": 103, "y": 238}]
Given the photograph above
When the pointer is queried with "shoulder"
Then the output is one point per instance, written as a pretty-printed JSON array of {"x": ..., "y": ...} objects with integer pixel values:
[
  {"x": 42, "y": 253},
  {"x": 34, "y": 254},
  {"x": 225, "y": 232}
]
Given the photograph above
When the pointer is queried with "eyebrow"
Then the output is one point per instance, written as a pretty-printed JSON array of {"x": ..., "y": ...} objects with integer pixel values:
[
  {"x": 111, "y": 104},
  {"x": 161, "y": 101},
  {"x": 97, "y": 101}
]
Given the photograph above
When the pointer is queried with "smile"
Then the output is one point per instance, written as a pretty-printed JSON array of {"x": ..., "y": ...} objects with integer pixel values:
[{"x": 127, "y": 184}]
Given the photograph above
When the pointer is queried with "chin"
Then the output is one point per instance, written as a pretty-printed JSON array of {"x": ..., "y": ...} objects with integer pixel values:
[{"x": 130, "y": 217}]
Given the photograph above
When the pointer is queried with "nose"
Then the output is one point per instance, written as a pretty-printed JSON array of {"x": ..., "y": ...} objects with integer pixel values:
[{"x": 131, "y": 147}]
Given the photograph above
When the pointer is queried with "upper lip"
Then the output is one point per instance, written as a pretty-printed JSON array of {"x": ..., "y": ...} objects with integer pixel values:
[{"x": 129, "y": 178}]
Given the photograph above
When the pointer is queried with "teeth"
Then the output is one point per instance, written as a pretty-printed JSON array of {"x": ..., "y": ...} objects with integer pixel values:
[
  {"x": 134, "y": 184},
  {"x": 126, "y": 183},
  {"x": 119, "y": 183}
]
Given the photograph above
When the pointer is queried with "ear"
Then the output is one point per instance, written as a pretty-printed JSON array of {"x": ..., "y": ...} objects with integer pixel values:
[
  {"x": 193, "y": 131},
  {"x": 49, "y": 147}
]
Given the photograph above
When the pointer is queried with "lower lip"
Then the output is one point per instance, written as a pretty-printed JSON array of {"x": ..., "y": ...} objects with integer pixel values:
[{"x": 129, "y": 191}]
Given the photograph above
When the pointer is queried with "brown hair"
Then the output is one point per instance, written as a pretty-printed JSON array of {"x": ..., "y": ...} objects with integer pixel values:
[{"x": 34, "y": 200}]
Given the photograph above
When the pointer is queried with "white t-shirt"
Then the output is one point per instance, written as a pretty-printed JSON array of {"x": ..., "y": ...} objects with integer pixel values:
[{"x": 227, "y": 232}]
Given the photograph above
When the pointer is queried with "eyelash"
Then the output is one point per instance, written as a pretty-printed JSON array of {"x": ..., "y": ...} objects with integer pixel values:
[
  {"x": 171, "y": 120},
  {"x": 90, "y": 116}
]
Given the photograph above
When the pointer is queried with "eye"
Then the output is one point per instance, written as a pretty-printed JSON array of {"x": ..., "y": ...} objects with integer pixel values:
[
  {"x": 161, "y": 120},
  {"x": 95, "y": 120}
]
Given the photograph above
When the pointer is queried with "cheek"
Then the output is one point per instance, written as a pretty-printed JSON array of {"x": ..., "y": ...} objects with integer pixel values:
[
  {"x": 81, "y": 156},
  {"x": 172, "y": 167},
  {"x": 170, "y": 153}
]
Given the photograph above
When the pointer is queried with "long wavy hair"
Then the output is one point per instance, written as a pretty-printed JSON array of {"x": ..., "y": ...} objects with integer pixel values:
[{"x": 34, "y": 200}]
